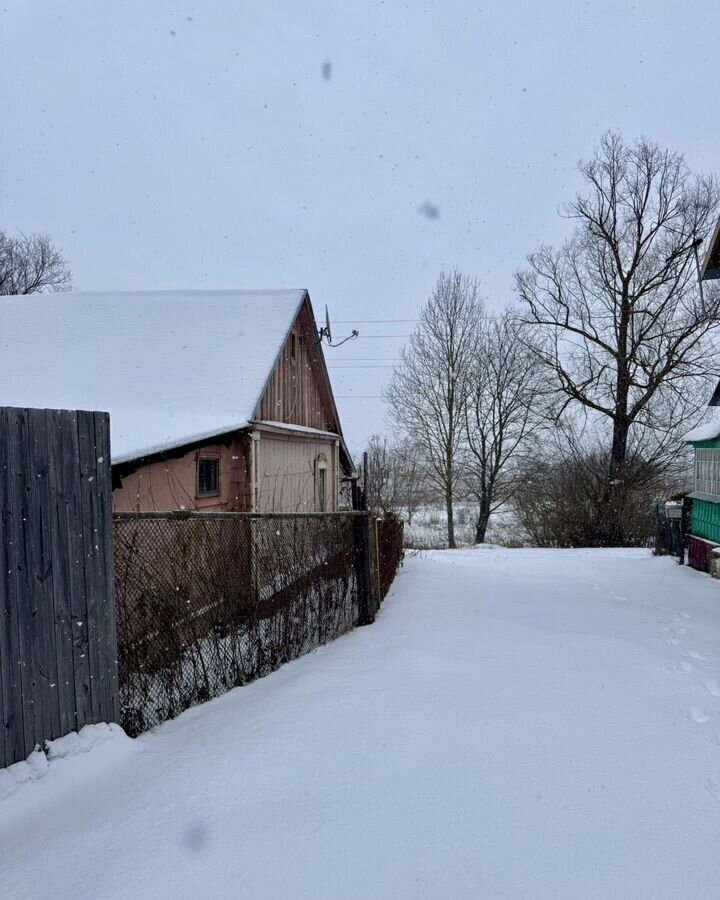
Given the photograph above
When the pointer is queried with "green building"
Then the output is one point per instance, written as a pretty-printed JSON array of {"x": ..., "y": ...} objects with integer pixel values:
[
  {"x": 705, "y": 516},
  {"x": 705, "y": 439}
]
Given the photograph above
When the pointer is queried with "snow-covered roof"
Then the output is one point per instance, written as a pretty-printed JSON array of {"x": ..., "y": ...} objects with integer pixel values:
[
  {"x": 171, "y": 367},
  {"x": 298, "y": 429},
  {"x": 704, "y": 432}
]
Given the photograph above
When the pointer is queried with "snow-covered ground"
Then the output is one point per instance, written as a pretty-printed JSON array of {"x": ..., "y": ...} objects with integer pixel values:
[
  {"x": 428, "y": 530},
  {"x": 517, "y": 724}
]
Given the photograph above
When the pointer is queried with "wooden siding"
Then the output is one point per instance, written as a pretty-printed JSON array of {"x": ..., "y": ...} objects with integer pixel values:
[
  {"x": 705, "y": 522},
  {"x": 286, "y": 476},
  {"x": 298, "y": 391},
  {"x": 705, "y": 516}
]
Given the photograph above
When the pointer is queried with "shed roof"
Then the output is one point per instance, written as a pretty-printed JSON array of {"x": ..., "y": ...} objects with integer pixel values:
[
  {"x": 171, "y": 367},
  {"x": 707, "y": 431}
]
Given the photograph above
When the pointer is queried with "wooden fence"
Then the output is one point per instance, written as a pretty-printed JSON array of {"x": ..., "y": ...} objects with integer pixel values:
[
  {"x": 228, "y": 595},
  {"x": 58, "y": 668}
]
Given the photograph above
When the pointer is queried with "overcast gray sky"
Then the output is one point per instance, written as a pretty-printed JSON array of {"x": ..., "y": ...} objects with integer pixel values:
[{"x": 224, "y": 144}]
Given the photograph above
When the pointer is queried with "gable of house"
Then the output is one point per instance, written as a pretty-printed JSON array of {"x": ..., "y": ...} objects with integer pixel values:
[{"x": 298, "y": 390}]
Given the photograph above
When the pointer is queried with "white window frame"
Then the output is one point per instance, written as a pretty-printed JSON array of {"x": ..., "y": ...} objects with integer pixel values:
[{"x": 707, "y": 471}]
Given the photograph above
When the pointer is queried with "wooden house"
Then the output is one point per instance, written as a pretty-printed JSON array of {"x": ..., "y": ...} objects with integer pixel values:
[
  {"x": 705, "y": 513},
  {"x": 704, "y": 535},
  {"x": 218, "y": 400}
]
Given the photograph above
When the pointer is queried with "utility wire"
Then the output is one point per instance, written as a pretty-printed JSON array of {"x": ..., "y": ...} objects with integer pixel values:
[{"x": 372, "y": 321}]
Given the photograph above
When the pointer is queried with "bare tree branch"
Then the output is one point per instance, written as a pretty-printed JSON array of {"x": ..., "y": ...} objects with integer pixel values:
[{"x": 30, "y": 264}]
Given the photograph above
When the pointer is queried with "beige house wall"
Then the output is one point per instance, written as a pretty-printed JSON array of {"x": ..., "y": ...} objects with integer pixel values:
[
  {"x": 172, "y": 484},
  {"x": 286, "y": 473}
]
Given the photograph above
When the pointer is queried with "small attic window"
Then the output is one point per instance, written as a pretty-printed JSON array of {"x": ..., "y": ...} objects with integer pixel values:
[
  {"x": 208, "y": 476},
  {"x": 292, "y": 345}
]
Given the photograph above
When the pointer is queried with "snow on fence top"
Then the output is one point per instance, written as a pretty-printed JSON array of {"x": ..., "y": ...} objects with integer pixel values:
[
  {"x": 705, "y": 432},
  {"x": 171, "y": 367}
]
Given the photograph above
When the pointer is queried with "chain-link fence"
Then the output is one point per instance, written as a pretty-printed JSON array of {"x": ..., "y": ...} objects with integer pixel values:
[
  {"x": 386, "y": 540},
  {"x": 207, "y": 602}
]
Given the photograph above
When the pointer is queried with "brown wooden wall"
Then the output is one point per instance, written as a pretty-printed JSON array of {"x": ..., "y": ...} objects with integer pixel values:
[
  {"x": 58, "y": 649},
  {"x": 297, "y": 393}
]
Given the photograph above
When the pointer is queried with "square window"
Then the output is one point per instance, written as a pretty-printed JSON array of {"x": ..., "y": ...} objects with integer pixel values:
[{"x": 208, "y": 476}]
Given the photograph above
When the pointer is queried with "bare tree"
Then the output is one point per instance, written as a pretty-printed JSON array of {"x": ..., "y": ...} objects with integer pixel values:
[
  {"x": 380, "y": 489},
  {"x": 410, "y": 480},
  {"x": 30, "y": 264},
  {"x": 506, "y": 408},
  {"x": 428, "y": 391},
  {"x": 396, "y": 477},
  {"x": 617, "y": 311},
  {"x": 561, "y": 491}
]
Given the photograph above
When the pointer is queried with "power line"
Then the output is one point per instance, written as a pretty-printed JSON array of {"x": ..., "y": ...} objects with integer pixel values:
[
  {"x": 361, "y": 367},
  {"x": 359, "y": 397},
  {"x": 372, "y": 321}
]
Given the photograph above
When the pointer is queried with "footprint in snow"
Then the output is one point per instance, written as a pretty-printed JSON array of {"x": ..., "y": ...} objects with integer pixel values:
[
  {"x": 693, "y": 654},
  {"x": 698, "y": 715},
  {"x": 712, "y": 687},
  {"x": 683, "y": 668},
  {"x": 713, "y": 788}
]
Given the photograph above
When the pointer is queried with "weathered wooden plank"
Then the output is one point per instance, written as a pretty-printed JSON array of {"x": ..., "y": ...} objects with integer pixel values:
[
  {"x": 22, "y": 599},
  {"x": 37, "y": 532},
  {"x": 94, "y": 584},
  {"x": 78, "y": 589},
  {"x": 12, "y": 684},
  {"x": 61, "y": 426},
  {"x": 7, "y": 663},
  {"x": 107, "y": 632}
]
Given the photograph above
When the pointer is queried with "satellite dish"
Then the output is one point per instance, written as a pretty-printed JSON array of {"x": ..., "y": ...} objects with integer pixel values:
[{"x": 328, "y": 332}]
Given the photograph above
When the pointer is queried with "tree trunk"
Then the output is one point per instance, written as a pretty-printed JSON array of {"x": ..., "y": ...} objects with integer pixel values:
[
  {"x": 482, "y": 521},
  {"x": 450, "y": 522},
  {"x": 616, "y": 488}
]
